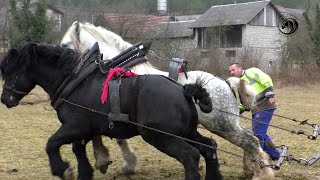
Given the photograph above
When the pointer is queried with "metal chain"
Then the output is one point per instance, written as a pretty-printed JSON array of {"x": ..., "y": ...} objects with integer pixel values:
[
  {"x": 299, "y": 132},
  {"x": 84, "y": 107},
  {"x": 302, "y": 122}
]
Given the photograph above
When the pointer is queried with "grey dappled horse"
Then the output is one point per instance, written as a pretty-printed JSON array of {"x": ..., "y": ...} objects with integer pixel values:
[{"x": 222, "y": 121}]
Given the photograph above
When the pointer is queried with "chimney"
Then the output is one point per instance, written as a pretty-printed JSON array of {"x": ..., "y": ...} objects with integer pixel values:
[{"x": 162, "y": 7}]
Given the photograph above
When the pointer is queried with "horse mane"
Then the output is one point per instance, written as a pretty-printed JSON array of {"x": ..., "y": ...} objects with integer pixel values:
[
  {"x": 26, "y": 55},
  {"x": 12, "y": 61},
  {"x": 106, "y": 36}
]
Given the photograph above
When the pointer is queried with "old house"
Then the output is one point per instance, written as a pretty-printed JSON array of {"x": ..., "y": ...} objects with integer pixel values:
[
  {"x": 55, "y": 15},
  {"x": 246, "y": 32},
  {"x": 242, "y": 32},
  {"x": 173, "y": 39}
]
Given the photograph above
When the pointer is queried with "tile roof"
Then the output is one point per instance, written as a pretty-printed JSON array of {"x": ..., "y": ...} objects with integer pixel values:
[
  {"x": 134, "y": 23},
  {"x": 176, "y": 29}
]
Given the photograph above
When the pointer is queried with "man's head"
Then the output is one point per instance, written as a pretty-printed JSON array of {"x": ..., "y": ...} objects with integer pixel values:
[{"x": 235, "y": 70}]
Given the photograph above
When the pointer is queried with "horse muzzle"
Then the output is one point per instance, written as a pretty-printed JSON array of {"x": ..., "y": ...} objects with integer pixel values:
[{"x": 9, "y": 102}]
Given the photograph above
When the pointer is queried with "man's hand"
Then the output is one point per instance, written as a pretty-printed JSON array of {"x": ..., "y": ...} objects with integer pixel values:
[{"x": 272, "y": 101}]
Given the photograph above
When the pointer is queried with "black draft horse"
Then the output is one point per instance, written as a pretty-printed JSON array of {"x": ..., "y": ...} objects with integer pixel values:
[{"x": 152, "y": 101}]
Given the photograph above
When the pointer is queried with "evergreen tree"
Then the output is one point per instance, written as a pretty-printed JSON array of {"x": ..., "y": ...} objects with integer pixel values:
[
  {"x": 29, "y": 25},
  {"x": 314, "y": 33}
]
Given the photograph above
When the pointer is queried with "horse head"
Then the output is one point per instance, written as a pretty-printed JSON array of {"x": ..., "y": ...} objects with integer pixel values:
[
  {"x": 16, "y": 84},
  {"x": 81, "y": 37},
  {"x": 246, "y": 93},
  {"x": 71, "y": 38},
  {"x": 28, "y": 65}
]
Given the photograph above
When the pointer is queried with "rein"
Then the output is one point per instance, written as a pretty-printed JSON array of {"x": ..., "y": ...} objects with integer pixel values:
[{"x": 12, "y": 89}]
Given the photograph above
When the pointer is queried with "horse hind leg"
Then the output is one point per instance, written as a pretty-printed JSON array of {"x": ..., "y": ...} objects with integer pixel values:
[
  {"x": 101, "y": 154},
  {"x": 252, "y": 151},
  {"x": 209, "y": 154},
  {"x": 130, "y": 161},
  {"x": 178, "y": 149}
]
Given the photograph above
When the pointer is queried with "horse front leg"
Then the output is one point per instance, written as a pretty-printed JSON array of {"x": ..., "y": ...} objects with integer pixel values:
[
  {"x": 130, "y": 161},
  {"x": 85, "y": 170},
  {"x": 58, "y": 166},
  {"x": 101, "y": 154}
]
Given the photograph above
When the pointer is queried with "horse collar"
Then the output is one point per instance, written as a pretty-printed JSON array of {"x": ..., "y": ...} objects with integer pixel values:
[{"x": 83, "y": 68}]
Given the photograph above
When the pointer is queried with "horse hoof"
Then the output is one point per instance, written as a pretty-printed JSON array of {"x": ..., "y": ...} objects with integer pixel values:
[
  {"x": 130, "y": 164},
  {"x": 68, "y": 174},
  {"x": 104, "y": 167},
  {"x": 128, "y": 171},
  {"x": 248, "y": 175}
]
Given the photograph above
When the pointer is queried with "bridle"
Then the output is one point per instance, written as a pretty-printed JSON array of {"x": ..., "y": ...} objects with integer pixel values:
[{"x": 12, "y": 89}]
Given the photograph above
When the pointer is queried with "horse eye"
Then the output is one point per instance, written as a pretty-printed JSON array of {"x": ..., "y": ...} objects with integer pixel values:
[{"x": 64, "y": 45}]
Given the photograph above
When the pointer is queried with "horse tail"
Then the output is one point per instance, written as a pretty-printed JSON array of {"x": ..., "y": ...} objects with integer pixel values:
[{"x": 200, "y": 96}]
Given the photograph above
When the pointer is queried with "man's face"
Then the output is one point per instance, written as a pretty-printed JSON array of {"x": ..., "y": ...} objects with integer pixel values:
[{"x": 235, "y": 71}]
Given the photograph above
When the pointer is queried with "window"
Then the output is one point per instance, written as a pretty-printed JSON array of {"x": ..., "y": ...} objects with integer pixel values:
[
  {"x": 230, "y": 53},
  {"x": 207, "y": 37},
  {"x": 200, "y": 36},
  {"x": 231, "y": 37}
]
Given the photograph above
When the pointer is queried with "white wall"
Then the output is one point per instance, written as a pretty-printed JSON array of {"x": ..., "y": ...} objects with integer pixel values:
[{"x": 267, "y": 40}]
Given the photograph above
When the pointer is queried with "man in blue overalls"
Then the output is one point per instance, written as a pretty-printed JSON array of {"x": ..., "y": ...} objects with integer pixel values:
[{"x": 265, "y": 103}]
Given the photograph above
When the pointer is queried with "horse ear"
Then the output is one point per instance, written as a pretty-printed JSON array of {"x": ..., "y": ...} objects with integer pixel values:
[
  {"x": 13, "y": 52},
  {"x": 76, "y": 27}
]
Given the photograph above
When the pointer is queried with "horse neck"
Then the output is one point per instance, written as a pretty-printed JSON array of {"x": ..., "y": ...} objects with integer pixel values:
[
  {"x": 110, "y": 44},
  {"x": 49, "y": 77},
  {"x": 246, "y": 93}
]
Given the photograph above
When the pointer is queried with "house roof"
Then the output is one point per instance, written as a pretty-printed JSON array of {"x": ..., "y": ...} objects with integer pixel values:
[
  {"x": 231, "y": 14},
  {"x": 50, "y": 6},
  {"x": 291, "y": 13},
  {"x": 172, "y": 29},
  {"x": 133, "y": 23},
  {"x": 187, "y": 17}
]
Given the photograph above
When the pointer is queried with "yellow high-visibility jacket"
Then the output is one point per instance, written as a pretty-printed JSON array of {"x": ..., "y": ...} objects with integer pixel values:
[{"x": 263, "y": 85}]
